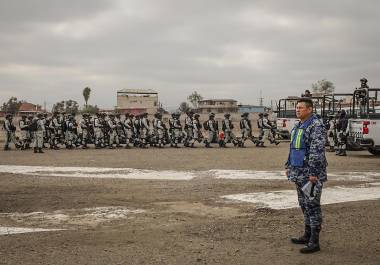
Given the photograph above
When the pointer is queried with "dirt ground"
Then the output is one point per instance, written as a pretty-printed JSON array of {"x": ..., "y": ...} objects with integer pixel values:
[{"x": 178, "y": 222}]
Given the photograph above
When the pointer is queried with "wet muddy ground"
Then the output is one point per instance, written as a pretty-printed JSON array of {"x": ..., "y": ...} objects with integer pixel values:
[{"x": 178, "y": 213}]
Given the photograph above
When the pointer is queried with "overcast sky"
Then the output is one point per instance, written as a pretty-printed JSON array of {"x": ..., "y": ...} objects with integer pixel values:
[{"x": 52, "y": 49}]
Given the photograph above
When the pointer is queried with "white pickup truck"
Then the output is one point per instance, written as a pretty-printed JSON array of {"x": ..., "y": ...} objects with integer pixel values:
[{"x": 364, "y": 127}]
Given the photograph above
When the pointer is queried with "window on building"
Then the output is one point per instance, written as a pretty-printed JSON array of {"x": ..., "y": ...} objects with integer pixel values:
[{"x": 155, "y": 103}]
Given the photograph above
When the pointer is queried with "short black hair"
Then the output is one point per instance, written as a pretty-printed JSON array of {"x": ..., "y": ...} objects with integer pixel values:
[{"x": 308, "y": 102}]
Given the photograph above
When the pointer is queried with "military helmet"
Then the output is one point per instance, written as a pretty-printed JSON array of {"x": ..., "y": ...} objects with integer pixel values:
[
  {"x": 130, "y": 115},
  {"x": 261, "y": 114},
  {"x": 40, "y": 115},
  {"x": 245, "y": 114},
  {"x": 363, "y": 79},
  {"x": 266, "y": 114},
  {"x": 227, "y": 115},
  {"x": 23, "y": 116},
  {"x": 196, "y": 115}
]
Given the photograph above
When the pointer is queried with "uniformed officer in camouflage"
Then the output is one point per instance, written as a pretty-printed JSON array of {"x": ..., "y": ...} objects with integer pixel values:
[
  {"x": 227, "y": 127},
  {"x": 188, "y": 128},
  {"x": 69, "y": 132},
  {"x": 99, "y": 137},
  {"x": 341, "y": 130},
  {"x": 212, "y": 130},
  {"x": 331, "y": 134},
  {"x": 197, "y": 133},
  {"x": 136, "y": 130},
  {"x": 361, "y": 95},
  {"x": 144, "y": 130},
  {"x": 39, "y": 133},
  {"x": 112, "y": 132},
  {"x": 177, "y": 130},
  {"x": 246, "y": 128},
  {"x": 267, "y": 131},
  {"x": 306, "y": 167},
  {"x": 119, "y": 129},
  {"x": 23, "y": 123},
  {"x": 10, "y": 131},
  {"x": 128, "y": 129},
  {"x": 84, "y": 125},
  {"x": 260, "y": 127}
]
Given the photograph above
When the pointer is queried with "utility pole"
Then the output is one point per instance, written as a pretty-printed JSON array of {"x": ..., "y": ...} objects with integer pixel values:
[{"x": 261, "y": 99}]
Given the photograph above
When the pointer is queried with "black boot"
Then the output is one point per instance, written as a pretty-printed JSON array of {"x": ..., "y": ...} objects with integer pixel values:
[
  {"x": 40, "y": 151},
  {"x": 330, "y": 149},
  {"x": 313, "y": 245},
  {"x": 35, "y": 150},
  {"x": 342, "y": 153},
  {"x": 303, "y": 239}
]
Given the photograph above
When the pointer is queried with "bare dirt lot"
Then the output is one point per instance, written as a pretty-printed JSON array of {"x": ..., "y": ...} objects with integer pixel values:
[{"x": 105, "y": 220}]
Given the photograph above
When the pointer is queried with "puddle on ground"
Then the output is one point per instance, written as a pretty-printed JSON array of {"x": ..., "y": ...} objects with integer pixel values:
[
  {"x": 130, "y": 173},
  {"x": 4, "y": 230},
  {"x": 70, "y": 217},
  {"x": 286, "y": 199}
]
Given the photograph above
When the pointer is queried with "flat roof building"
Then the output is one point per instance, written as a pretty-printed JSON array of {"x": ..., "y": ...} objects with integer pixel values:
[
  {"x": 137, "y": 101},
  {"x": 217, "y": 106}
]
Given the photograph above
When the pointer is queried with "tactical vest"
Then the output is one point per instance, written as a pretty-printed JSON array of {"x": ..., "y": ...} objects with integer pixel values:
[{"x": 297, "y": 144}]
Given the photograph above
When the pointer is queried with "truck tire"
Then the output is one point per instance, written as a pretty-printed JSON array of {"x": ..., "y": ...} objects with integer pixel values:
[{"x": 374, "y": 151}]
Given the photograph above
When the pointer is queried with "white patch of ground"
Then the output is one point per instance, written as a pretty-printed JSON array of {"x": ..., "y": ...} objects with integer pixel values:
[
  {"x": 286, "y": 199},
  {"x": 130, "y": 173},
  {"x": 280, "y": 175},
  {"x": 22, "y": 230},
  {"x": 69, "y": 217},
  {"x": 96, "y": 172}
]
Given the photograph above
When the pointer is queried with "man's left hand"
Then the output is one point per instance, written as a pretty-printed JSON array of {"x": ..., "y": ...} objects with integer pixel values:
[{"x": 313, "y": 179}]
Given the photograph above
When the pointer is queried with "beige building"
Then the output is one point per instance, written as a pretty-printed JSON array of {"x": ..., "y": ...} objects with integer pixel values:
[
  {"x": 217, "y": 106},
  {"x": 137, "y": 101}
]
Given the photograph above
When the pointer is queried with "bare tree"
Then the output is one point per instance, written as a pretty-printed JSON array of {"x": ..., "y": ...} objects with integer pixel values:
[
  {"x": 323, "y": 86},
  {"x": 194, "y": 99},
  {"x": 184, "y": 107}
]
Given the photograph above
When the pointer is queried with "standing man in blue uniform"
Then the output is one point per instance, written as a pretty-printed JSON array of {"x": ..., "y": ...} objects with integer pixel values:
[{"x": 306, "y": 167}]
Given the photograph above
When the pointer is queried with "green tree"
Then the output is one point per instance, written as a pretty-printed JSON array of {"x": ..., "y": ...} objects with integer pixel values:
[
  {"x": 59, "y": 107},
  {"x": 11, "y": 106},
  {"x": 90, "y": 109},
  {"x": 323, "y": 86},
  {"x": 194, "y": 99},
  {"x": 67, "y": 106},
  {"x": 86, "y": 94},
  {"x": 71, "y": 106}
]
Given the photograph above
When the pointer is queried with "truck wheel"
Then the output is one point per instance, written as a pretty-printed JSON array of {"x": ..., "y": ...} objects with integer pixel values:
[{"x": 374, "y": 151}]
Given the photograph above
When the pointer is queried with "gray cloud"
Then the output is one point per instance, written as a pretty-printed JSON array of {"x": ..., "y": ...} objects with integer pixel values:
[{"x": 230, "y": 49}]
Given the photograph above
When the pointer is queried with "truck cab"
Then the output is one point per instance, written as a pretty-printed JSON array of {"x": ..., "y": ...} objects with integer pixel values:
[{"x": 364, "y": 126}]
